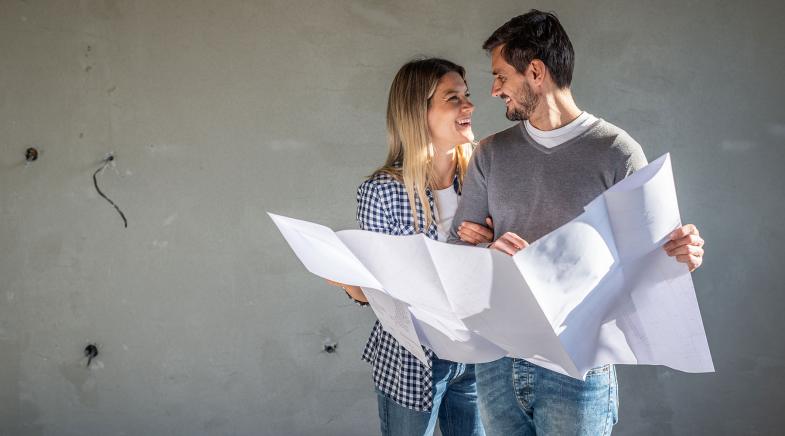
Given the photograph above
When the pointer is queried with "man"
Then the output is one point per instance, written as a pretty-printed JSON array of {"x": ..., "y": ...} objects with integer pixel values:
[{"x": 531, "y": 179}]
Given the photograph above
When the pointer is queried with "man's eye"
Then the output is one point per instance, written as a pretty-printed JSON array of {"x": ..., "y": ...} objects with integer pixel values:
[
  {"x": 468, "y": 95},
  {"x": 453, "y": 98}
]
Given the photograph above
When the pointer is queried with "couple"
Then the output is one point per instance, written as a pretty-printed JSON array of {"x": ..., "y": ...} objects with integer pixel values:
[{"x": 517, "y": 186}]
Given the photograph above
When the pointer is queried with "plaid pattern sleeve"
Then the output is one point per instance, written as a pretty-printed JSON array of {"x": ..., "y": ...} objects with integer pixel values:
[{"x": 383, "y": 206}]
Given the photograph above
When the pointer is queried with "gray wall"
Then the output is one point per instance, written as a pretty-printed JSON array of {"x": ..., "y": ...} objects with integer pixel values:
[{"x": 219, "y": 111}]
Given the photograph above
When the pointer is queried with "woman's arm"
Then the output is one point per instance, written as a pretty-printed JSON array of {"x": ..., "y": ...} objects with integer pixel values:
[
  {"x": 354, "y": 292},
  {"x": 372, "y": 215}
]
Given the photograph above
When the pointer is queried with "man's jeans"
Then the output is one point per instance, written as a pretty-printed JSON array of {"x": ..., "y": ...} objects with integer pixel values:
[
  {"x": 454, "y": 404},
  {"x": 518, "y": 398}
]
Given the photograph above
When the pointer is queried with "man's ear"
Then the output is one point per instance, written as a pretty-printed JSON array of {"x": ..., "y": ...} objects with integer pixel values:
[{"x": 536, "y": 72}]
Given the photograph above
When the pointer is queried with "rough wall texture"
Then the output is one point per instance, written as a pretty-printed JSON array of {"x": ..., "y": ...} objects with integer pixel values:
[{"x": 218, "y": 111}]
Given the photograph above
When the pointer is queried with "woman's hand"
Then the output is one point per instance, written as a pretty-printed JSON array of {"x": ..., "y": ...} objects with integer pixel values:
[
  {"x": 354, "y": 291},
  {"x": 473, "y": 233}
]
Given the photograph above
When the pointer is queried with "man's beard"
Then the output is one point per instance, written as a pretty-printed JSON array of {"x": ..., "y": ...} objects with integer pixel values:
[{"x": 523, "y": 104}]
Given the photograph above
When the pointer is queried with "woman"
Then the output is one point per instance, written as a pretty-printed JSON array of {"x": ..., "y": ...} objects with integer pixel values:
[{"x": 430, "y": 138}]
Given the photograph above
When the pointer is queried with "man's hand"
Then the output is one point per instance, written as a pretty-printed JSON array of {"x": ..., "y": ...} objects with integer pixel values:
[
  {"x": 473, "y": 233},
  {"x": 509, "y": 243},
  {"x": 686, "y": 245}
]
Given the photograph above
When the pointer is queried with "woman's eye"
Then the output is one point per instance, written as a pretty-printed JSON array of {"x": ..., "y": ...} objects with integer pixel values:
[
  {"x": 453, "y": 98},
  {"x": 468, "y": 95}
]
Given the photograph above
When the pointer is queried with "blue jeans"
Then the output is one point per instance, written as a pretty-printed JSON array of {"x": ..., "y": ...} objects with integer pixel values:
[
  {"x": 454, "y": 404},
  {"x": 518, "y": 398}
]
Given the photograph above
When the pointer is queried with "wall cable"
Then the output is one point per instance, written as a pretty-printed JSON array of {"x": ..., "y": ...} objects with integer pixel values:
[{"x": 106, "y": 161}]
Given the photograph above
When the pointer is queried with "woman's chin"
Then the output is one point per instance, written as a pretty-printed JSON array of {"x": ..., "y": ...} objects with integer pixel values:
[{"x": 467, "y": 136}]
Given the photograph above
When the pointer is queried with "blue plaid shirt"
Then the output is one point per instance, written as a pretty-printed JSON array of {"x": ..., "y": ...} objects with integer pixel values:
[{"x": 383, "y": 206}]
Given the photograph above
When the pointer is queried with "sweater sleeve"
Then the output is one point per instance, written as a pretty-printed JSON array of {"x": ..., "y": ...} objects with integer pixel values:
[
  {"x": 631, "y": 155},
  {"x": 473, "y": 204}
]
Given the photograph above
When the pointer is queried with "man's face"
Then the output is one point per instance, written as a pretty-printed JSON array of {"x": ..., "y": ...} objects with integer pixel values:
[{"x": 512, "y": 87}]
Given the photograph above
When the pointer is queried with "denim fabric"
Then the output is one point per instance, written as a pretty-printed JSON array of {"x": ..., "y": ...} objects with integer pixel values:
[
  {"x": 454, "y": 404},
  {"x": 518, "y": 398}
]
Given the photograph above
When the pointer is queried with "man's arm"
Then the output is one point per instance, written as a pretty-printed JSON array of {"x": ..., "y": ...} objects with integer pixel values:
[
  {"x": 685, "y": 244},
  {"x": 473, "y": 205}
]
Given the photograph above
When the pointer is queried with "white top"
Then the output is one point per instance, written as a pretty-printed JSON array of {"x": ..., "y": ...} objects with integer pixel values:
[
  {"x": 446, "y": 205},
  {"x": 552, "y": 138}
]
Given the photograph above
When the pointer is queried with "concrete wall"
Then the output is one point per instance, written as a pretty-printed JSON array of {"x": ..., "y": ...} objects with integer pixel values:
[{"x": 219, "y": 111}]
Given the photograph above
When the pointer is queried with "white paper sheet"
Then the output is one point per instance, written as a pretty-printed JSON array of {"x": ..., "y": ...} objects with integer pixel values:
[
  {"x": 597, "y": 290},
  {"x": 389, "y": 259},
  {"x": 396, "y": 319},
  {"x": 323, "y": 253},
  {"x": 450, "y": 340}
]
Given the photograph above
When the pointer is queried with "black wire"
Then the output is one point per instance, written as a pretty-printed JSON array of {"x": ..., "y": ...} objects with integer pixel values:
[
  {"x": 95, "y": 182},
  {"x": 91, "y": 350}
]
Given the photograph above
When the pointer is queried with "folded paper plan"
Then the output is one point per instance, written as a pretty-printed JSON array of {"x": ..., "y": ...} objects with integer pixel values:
[{"x": 599, "y": 289}]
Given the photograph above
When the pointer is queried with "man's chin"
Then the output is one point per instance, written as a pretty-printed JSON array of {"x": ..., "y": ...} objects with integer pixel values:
[{"x": 514, "y": 115}]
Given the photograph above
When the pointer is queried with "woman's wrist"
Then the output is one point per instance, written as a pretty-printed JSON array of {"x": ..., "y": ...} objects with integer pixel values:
[{"x": 355, "y": 294}]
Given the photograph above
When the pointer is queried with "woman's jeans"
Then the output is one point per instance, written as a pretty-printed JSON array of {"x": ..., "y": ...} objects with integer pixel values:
[
  {"x": 518, "y": 398},
  {"x": 454, "y": 404}
]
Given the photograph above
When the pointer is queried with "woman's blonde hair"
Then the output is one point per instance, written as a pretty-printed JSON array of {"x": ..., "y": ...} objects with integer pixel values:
[{"x": 410, "y": 151}]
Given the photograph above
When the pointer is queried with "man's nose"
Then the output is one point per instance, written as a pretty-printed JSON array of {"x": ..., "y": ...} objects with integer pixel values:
[{"x": 495, "y": 89}]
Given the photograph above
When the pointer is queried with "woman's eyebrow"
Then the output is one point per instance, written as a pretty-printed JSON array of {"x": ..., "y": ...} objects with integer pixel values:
[{"x": 453, "y": 91}]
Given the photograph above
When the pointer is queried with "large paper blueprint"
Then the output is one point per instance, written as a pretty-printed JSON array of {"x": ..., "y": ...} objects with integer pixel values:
[{"x": 597, "y": 290}]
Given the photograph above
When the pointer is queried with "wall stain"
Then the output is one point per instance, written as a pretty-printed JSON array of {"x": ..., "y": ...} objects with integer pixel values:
[{"x": 83, "y": 380}]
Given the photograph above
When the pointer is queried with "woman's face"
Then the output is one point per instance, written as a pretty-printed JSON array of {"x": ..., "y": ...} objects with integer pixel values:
[{"x": 450, "y": 113}]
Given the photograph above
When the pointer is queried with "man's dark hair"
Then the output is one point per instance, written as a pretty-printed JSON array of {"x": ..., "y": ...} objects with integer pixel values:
[{"x": 535, "y": 35}]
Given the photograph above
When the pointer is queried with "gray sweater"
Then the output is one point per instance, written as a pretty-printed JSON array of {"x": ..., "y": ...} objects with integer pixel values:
[{"x": 532, "y": 190}]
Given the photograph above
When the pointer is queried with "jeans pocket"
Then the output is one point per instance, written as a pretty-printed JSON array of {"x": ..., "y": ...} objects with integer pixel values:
[{"x": 600, "y": 370}]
